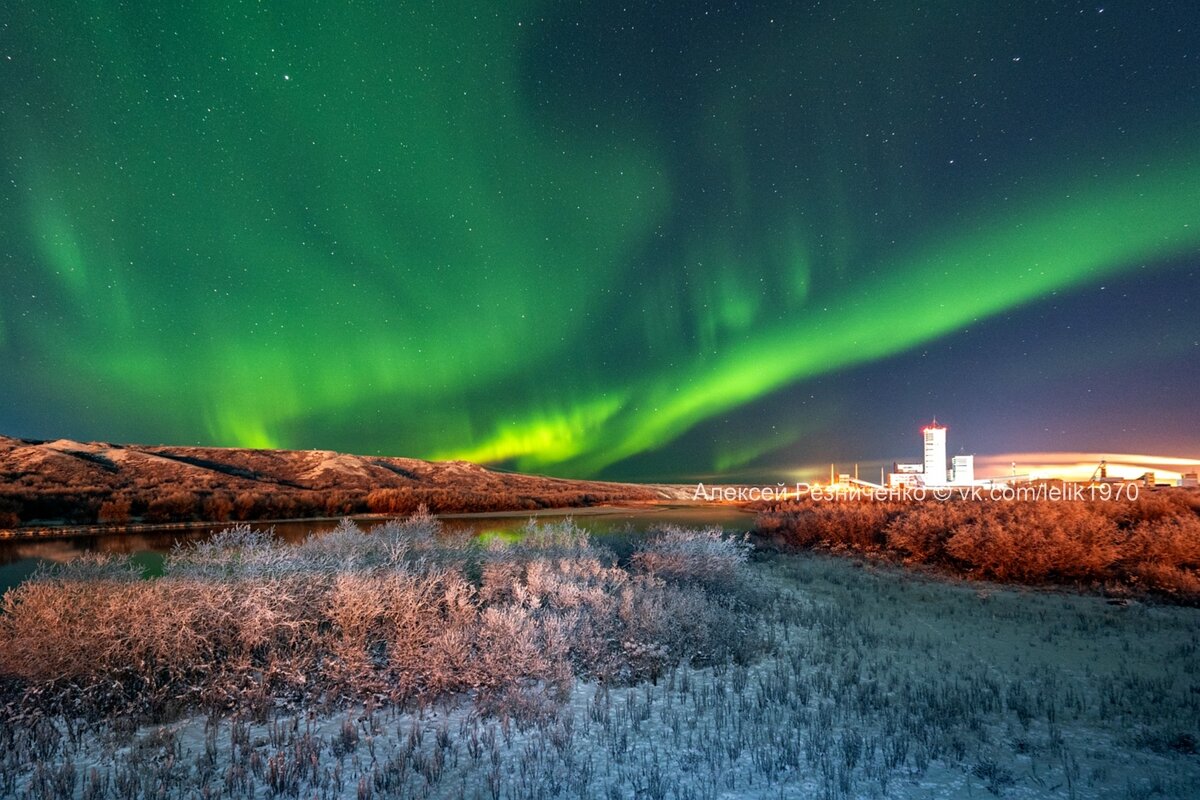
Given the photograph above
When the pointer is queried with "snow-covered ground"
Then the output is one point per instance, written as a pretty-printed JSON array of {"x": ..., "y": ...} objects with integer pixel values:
[{"x": 878, "y": 683}]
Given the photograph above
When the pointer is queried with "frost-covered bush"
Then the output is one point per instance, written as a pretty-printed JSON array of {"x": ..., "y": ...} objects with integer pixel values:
[
  {"x": 557, "y": 538},
  {"x": 238, "y": 551},
  {"x": 1030, "y": 542},
  {"x": 1149, "y": 544},
  {"x": 707, "y": 556},
  {"x": 677, "y": 603},
  {"x": 244, "y": 621},
  {"x": 92, "y": 567}
]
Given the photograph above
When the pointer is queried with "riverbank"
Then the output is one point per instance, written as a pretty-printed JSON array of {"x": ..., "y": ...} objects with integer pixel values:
[{"x": 66, "y": 531}]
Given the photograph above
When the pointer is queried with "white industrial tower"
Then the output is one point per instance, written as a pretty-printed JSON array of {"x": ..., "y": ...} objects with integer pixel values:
[
  {"x": 935, "y": 454},
  {"x": 932, "y": 471}
]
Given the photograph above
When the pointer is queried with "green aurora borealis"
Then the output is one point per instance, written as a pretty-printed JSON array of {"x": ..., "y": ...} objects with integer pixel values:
[{"x": 553, "y": 236}]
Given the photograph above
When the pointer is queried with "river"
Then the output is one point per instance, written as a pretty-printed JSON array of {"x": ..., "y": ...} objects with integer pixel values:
[{"x": 611, "y": 525}]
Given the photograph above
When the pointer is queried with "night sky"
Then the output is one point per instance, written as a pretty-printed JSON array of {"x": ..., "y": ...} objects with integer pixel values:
[{"x": 655, "y": 241}]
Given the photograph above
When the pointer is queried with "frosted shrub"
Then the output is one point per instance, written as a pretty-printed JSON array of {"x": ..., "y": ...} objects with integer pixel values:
[
  {"x": 662, "y": 626},
  {"x": 1034, "y": 542},
  {"x": 1170, "y": 541},
  {"x": 157, "y": 643},
  {"x": 346, "y": 548},
  {"x": 558, "y": 538},
  {"x": 235, "y": 551},
  {"x": 420, "y": 528},
  {"x": 554, "y": 558},
  {"x": 1164, "y": 555},
  {"x": 620, "y": 626},
  {"x": 839, "y": 524},
  {"x": 243, "y": 621},
  {"x": 357, "y": 604},
  {"x": 92, "y": 567},
  {"x": 921, "y": 533},
  {"x": 430, "y": 627},
  {"x": 707, "y": 556},
  {"x": 1151, "y": 544},
  {"x": 565, "y": 584}
]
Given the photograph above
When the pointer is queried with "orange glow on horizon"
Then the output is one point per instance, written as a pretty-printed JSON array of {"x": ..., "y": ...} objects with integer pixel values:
[
  {"x": 1079, "y": 466},
  {"x": 1060, "y": 465}
]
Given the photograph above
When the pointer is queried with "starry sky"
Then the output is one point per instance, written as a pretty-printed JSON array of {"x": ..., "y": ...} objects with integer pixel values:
[{"x": 660, "y": 240}]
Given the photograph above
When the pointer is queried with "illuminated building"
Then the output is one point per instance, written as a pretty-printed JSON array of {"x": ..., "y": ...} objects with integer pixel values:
[{"x": 935, "y": 454}]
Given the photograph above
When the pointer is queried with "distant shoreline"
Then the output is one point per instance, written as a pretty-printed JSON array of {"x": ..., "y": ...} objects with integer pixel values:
[
  {"x": 69, "y": 488},
  {"x": 65, "y": 531}
]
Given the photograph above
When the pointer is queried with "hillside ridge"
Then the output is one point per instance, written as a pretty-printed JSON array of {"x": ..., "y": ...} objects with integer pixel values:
[{"x": 70, "y": 481}]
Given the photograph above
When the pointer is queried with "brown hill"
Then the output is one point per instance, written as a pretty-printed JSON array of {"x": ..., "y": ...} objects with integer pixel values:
[{"x": 83, "y": 482}]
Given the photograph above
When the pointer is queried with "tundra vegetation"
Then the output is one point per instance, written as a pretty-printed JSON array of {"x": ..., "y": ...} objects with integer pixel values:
[
  {"x": 400, "y": 663},
  {"x": 77, "y": 483},
  {"x": 1130, "y": 547}
]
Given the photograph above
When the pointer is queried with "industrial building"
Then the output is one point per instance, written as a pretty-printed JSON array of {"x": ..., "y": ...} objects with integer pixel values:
[
  {"x": 962, "y": 469},
  {"x": 933, "y": 471}
]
